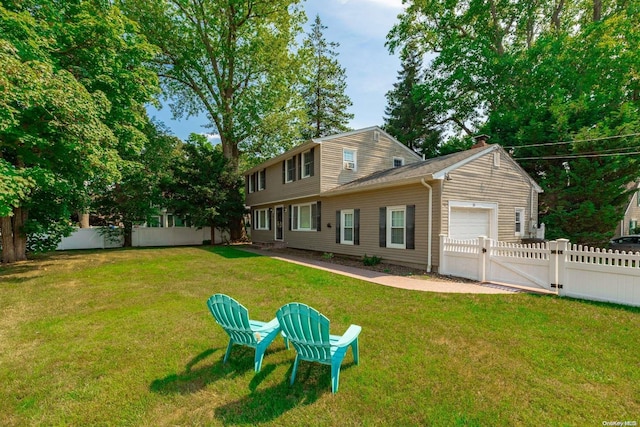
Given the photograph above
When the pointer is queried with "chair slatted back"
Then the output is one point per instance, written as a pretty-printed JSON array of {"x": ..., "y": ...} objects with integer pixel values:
[
  {"x": 233, "y": 317},
  {"x": 307, "y": 329}
]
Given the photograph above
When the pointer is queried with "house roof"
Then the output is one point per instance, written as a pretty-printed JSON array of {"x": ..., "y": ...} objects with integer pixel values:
[
  {"x": 317, "y": 141},
  {"x": 430, "y": 169}
]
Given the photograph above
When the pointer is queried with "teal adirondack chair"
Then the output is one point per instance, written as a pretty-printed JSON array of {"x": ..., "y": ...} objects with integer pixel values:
[
  {"x": 234, "y": 319},
  {"x": 308, "y": 331}
]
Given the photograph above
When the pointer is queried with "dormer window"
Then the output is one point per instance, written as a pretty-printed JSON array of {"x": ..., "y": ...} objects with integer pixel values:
[
  {"x": 262, "y": 179},
  {"x": 349, "y": 159}
]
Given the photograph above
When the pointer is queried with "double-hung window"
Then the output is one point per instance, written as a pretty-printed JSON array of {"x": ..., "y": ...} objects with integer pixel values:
[
  {"x": 307, "y": 164},
  {"x": 262, "y": 219},
  {"x": 396, "y": 227},
  {"x": 262, "y": 179},
  {"x": 346, "y": 232},
  {"x": 349, "y": 159},
  {"x": 291, "y": 169},
  {"x": 519, "y": 222},
  {"x": 250, "y": 178}
]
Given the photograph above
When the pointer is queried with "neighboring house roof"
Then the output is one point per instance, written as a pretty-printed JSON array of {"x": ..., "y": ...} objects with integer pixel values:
[
  {"x": 317, "y": 141},
  {"x": 430, "y": 169}
]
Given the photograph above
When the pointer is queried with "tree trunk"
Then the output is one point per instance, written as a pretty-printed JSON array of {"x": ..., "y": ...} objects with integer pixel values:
[
  {"x": 213, "y": 234},
  {"x": 84, "y": 219},
  {"x": 236, "y": 230},
  {"x": 6, "y": 229},
  {"x": 19, "y": 237},
  {"x": 128, "y": 231}
]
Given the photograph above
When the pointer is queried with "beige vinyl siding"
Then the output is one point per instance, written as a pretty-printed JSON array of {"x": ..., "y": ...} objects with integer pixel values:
[
  {"x": 481, "y": 181},
  {"x": 632, "y": 214},
  {"x": 369, "y": 204},
  {"x": 277, "y": 191},
  {"x": 372, "y": 156}
]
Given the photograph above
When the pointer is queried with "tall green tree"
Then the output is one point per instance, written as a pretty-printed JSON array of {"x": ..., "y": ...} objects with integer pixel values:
[
  {"x": 532, "y": 73},
  {"x": 73, "y": 89},
  {"x": 205, "y": 189},
  {"x": 232, "y": 60},
  {"x": 138, "y": 194},
  {"x": 409, "y": 118},
  {"x": 324, "y": 85}
]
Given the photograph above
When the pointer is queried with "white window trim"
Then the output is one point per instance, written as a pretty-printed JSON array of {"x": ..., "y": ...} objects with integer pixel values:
[
  {"x": 286, "y": 169},
  {"x": 521, "y": 230},
  {"x": 304, "y": 164},
  {"x": 391, "y": 209},
  {"x": 398, "y": 158},
  {"x": 344, "y": 212},
  {"x": 261, "y": 181},
  {"x": 296, "y": 226},
  {"x": 355, "y": 159},
  {"x": 258, "y": 223}
]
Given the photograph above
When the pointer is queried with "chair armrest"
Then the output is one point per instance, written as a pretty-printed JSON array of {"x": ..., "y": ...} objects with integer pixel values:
[
  {"x": 273, "y": 324},
  {"x": 349, "y": 336}
]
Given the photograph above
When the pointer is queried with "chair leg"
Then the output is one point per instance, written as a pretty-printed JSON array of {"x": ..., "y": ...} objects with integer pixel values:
[
  {"x": 356, "y": 351},
  {"x": 226, "y": 355},
  {"x": 335, "y": 377},
  {"x": 295, "y": 370},
  {"x": 257, "y": 364}
]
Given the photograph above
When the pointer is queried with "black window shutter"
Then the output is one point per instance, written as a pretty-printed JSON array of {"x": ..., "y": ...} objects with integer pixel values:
[
  {"x": 383, "y": 228},
  {"x": 253, "y": 219},
  {"x": 356, "y": 226},
  {"x": 246, "y": 184},
  {"x": 295, "y": 218},
  {"x": 270, "y": 214},
  {"x": 312, "y": 166},
  {"x": 319, "y": 216},
  {"x": 290, "y": 213},
  {"x": 314, "y": 216},
  {"x": 337, "y": 226},
  {"x": 411, "y": 227},
  {"x": 299, "y": 166},
  {"x": 284, "y": 171},
  {"x": 264, "y": 179}
]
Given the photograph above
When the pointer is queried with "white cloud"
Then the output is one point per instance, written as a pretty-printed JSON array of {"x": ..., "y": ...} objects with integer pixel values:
[{"x": 213, "y": 138}]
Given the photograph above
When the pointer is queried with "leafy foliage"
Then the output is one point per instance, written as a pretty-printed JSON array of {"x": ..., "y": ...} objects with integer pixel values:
[
  {"x": 231, "y": 60},
  {"x": 205, "y": 189},
  {"x": 74, "y": 91},
  {"x": 529, "y": 74}
]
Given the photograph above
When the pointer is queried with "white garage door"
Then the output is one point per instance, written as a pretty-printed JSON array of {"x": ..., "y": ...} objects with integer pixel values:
[{"x": 469, "y": 223}]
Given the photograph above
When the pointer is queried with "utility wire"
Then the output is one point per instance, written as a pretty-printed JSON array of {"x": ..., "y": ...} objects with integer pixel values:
[
  {"x": 578, "y": 156},
  {"x": 603, "y": 138}
]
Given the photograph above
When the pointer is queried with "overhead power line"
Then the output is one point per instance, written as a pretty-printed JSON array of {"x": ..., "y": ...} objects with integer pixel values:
[
  {"x": 603, "y": 138},
  {"x": 578, "y": 156}
]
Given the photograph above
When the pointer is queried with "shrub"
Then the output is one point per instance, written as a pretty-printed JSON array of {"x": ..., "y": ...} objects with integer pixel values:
[{"x": 371, "y": 261}]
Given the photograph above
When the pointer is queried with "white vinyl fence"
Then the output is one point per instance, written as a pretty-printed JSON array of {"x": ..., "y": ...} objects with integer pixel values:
[
  {"x": 569, "y": 270},
  {"x": 94, "y": 238}
]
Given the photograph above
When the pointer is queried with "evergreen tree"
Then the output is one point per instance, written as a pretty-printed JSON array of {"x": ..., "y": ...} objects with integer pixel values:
[
  {"x": 408, "y": 115},
  {"x": 324, "y": 85}
]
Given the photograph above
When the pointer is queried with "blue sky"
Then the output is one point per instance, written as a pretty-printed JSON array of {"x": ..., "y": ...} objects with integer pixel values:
[{"x": 361, "y": 27}]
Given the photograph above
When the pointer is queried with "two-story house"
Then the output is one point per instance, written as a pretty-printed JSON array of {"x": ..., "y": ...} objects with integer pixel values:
[{"x": 363, "y": 192}]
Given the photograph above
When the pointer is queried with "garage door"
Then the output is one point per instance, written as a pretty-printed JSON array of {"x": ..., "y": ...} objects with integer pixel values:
[{"x": 469, "y": 223}]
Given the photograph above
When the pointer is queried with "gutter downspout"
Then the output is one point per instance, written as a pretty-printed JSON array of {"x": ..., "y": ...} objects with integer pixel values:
[{"x": 429, "y": 232}]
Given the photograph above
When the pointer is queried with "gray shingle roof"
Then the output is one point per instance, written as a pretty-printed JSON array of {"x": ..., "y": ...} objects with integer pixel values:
[{"x": 408, "y": 173}]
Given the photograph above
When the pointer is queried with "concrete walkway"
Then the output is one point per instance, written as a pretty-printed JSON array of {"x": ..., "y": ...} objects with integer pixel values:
[{"x": 402, "y": 282}]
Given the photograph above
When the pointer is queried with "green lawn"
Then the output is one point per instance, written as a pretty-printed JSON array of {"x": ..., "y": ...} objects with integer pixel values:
[{"x": 123, "y": 337}]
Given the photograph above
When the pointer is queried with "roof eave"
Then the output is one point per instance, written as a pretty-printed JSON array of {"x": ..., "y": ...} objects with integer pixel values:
[{"x": 378, "y": 186}]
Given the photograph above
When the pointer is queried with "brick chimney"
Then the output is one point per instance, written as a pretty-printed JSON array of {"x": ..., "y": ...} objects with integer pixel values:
[{"x": 481, "y": 141}]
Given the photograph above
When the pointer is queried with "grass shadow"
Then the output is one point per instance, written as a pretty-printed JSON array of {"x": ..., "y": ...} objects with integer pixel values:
[
  {"x": 264, "y": 405},
  {"x": 192, "y": 380},
  {"x": 230, "y": 252}
]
